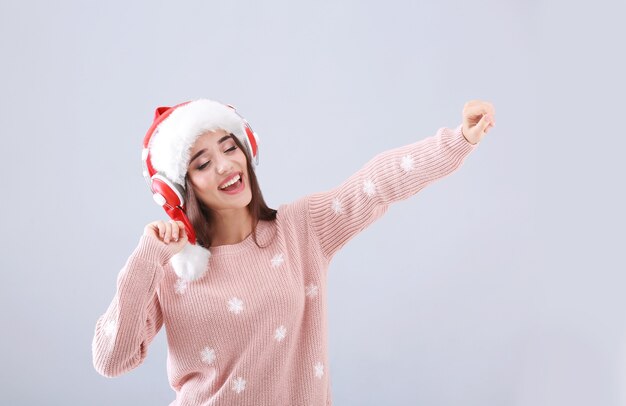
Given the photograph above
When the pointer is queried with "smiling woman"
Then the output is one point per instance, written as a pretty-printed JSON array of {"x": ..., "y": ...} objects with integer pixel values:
[{"x": 246, "y": 316}]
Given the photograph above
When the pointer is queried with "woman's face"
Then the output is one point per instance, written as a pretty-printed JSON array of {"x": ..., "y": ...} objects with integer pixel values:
[{"x": 215, "y": 161}]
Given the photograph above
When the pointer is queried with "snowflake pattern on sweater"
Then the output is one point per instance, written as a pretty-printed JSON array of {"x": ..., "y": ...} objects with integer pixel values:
[
  {"x": 110, "y": 328},
  {"x": 311, "y": 290},
  {"x": 239, "y": 385},
  {"x": 319, "y": 369},
  {"x": 235, "y": 305},
  {"x": 208, "y": 355},
  {"x": 368, "y": 188},
  {"x": 181, "y": 286},
  {"x": 280, "y": 333},
  {"x": 277, "y": 260},
  {"x": 336, "y": 205},
  {"x": 252, "y": 330}
]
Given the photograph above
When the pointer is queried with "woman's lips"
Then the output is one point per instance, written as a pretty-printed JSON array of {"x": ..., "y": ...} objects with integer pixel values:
[
  {"x": 229, "y": 179},
  {"x": 238, "y": 189}
]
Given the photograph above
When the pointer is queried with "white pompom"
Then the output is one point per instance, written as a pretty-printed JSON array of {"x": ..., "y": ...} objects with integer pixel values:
[{"x": 191, "y": 262}]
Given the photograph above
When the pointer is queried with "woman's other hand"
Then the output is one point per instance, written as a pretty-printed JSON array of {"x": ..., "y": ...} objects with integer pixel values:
[
  {"x": 478, "y": 118},
  {"x": 171, "y": 233}
]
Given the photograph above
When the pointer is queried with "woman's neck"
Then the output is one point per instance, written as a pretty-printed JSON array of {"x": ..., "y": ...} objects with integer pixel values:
[{"x": 232, "y": 226}]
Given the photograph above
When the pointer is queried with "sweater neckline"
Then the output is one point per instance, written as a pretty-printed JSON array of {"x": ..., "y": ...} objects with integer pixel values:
[{"x": 247, "y": 243}]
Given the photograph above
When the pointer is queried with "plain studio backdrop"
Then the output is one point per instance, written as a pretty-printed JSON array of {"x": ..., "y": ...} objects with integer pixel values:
[{"x": 501, "y": 284}]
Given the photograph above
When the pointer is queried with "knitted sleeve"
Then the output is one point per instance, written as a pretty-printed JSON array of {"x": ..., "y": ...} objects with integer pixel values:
[
  {"x": 124, "y": 332},
  {"x": 337, "y": 215}
]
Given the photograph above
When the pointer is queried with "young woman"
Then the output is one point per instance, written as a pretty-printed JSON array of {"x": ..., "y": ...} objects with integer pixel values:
[{"x": 241, "y": 288}]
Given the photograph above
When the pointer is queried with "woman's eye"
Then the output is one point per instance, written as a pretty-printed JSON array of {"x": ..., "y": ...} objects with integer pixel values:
[{"x": 204, "y": 165}]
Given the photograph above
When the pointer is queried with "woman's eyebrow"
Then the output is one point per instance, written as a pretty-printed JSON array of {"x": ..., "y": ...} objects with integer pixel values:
[
  {"x": 202, "y": 151},
  {"x": 224, "y": 138}
]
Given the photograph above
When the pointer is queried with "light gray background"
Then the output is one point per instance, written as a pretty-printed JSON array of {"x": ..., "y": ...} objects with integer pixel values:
[{"x": 501, "y": 284}]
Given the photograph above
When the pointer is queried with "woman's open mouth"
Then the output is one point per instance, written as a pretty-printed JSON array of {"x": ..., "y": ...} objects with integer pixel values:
[{"x": 235, "y": 187}]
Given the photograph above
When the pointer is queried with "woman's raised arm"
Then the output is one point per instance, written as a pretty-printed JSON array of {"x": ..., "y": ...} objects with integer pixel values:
[{"x": 339, "y": 214}]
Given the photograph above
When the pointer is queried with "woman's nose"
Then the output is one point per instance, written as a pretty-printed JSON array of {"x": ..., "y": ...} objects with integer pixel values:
[{"x": 223, "y": 166}]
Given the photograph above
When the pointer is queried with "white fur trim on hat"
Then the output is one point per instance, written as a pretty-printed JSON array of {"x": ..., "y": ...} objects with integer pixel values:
[
  {"x": 191, "y": 262},
  {"x": 170, "y": 145}
]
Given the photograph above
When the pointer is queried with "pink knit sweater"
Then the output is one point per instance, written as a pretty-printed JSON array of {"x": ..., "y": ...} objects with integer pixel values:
[{"x": 253, "y": 329}]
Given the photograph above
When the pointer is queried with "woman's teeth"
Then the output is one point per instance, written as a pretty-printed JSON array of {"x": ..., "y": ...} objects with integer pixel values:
[{"x": 233, "y": 180}]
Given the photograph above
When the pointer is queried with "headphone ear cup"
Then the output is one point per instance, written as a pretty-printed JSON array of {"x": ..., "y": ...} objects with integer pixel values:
[
  {"x": 170, "y": 195},
  {"x": 167, "y": 192},
  {"x": 251, "y": 140},
  {"x": 252, "y": 143}
]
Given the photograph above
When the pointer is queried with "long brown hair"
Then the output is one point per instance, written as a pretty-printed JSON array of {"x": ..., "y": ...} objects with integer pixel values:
[{"x": 201, "y": 216}]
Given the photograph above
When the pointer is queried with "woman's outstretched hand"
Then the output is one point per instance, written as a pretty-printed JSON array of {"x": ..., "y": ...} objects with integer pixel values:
[
  {"x": 478, "y": 118},
  {"x": 171, "y": 233}
]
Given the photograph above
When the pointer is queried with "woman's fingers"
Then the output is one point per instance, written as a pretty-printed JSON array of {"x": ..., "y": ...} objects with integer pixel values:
[
  {"x": 174, "y": 230},
  {"x": 182, "y": 233},
  {"x": 484, "y": 123},
  {"x": 474, "y": 110},
  {"x": 168, "y": 232},
  {"x": 161, "y": 227},
  {"x": 171, "y": 231}
]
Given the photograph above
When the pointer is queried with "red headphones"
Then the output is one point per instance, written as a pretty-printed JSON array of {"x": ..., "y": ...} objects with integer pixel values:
[{"x": 169, "y": 194}]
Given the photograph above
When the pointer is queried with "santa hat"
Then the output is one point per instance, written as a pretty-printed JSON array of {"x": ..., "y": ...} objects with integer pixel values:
[{"x": 166, "y": 155}]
